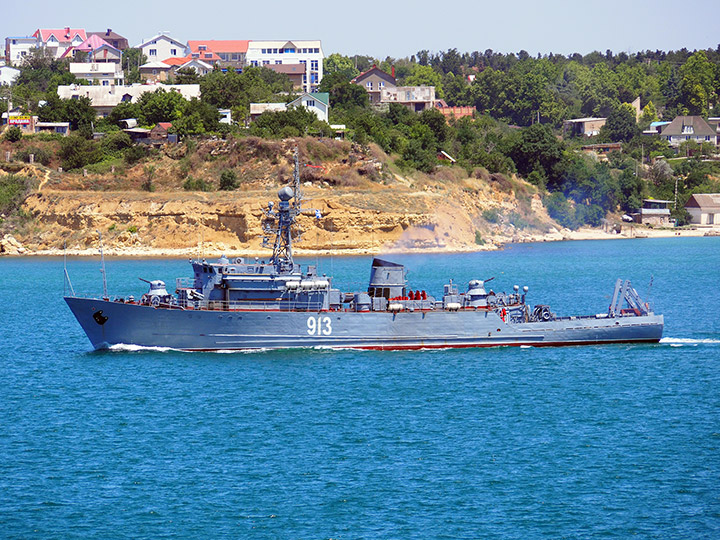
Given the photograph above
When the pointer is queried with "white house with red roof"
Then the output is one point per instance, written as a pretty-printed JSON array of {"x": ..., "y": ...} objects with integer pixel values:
[
  {"x": 160, "y": 47},
  {"x": 58, "y": 41}
]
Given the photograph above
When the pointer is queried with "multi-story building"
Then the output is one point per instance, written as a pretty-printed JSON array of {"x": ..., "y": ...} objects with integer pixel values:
[
  {"x": 306, "y": 52},
  {"x": 160, "y": 47},
  {"x": 17, "y": 48},
  {"x": 58, "y": 41},
  {"x": 374, "y": 81}
]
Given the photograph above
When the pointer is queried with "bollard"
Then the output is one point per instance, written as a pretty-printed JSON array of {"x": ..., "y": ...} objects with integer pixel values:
[{"x": 32, "y": 158}]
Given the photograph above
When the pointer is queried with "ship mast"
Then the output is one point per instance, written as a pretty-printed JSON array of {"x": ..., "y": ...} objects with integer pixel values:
[{"x": 278, "y": 223}]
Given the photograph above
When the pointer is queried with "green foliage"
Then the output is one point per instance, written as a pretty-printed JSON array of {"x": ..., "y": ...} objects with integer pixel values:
[
  {"x": 115, "y": 144},
  {"x": 491, "y": 215},
  {"x": 132, "y": 229},
  {"x": 132, "y": 59},
  {"x": 342, "y": 65},
  {"x": 186, "y": 76},
  {"x": 535, "y": 149},
  {"x": 228, "y": 180},
  {"x": 77, "y": 151},
  {"x": 40, "y": 155},
  {"x": 621, "y": 124},
  {"x": 12, "y": 192},
  {"x": 13, "y": 134},
  {"x": 478, "y": 238},
  {"x": 294, "y": 122},
  {"x": 135, "y": 153},
  {"x": 238, "y": 90},
  {"x": 78, "y": 112},
  {"x": 197, "y": 184},
  {"x": 149, "y": 171},
  {"x": 161, "y": 106}
]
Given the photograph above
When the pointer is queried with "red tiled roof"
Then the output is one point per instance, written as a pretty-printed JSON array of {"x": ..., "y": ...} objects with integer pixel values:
[
  {"x": 175, "y": 61},
  {"x": 165, "y": 125},
  {"x": 220, "y": 46},
  {"x": 61, "y": 34}
]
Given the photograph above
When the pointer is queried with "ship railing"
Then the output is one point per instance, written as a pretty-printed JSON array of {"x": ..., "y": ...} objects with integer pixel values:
[
  {"x": 184, "y": 283},
  {"x": 222, "y": 305}
]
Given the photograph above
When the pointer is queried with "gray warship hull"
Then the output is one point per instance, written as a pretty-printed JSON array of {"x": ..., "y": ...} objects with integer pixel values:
[{"x": 109, "y": 323}]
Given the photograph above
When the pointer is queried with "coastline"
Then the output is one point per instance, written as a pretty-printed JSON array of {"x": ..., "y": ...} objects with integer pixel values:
[{"x": 12, "y": 248}]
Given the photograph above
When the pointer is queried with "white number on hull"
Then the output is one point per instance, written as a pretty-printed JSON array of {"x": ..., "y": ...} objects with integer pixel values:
[{"x": 317, "y": 326}]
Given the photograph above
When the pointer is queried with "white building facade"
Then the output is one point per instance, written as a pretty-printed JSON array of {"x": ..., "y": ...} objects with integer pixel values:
[
  {"x": 99, "y": 73},
  {"x": 18, "y": 48},
  {"x": 161, "y": 47},
  {"x": 306, "y": 52}
]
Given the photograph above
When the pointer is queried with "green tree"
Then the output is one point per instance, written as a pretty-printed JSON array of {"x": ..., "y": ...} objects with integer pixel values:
[
  {"x": 77, "y": 151},
  {"x": 697, "y": 78},
  {"x": 425, "y": 76},
  {"x": 186, "y": 76},
  {"x": 621, "y": 124},
  {"x": 161, "y": 106},
  {"x": 132, "y": 59},
  {"x": 535, "y": 149},
  {"x": 343, "y": 65}
]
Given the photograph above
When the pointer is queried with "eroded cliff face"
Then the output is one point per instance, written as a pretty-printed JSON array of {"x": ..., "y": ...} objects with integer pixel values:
[
  {"x": 364, "y": 207},
  {"x": 135, "y": 222}
]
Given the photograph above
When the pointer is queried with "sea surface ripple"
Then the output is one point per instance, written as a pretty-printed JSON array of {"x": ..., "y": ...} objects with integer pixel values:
[{"x": 581, "y": 442}]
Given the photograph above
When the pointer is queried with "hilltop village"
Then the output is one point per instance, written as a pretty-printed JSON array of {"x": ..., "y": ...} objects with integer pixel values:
[{"x": 168, "y": 143}]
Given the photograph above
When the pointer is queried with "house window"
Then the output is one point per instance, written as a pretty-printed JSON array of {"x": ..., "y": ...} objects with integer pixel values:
[
  {"x": 278, "y": 61},
  {"x": 266, "y": 62},
  {"x": 303, "y": 62},
  {"x": 152, "y": 52},
  {"x": 202, "y": 47},
  {"x": 106, "y": 83},
  {"x": 173, "y": 52},
  {"x": 275, "y": 51},
  {"x": 254, "y": 63},
  {"x": 264, "y": 51},
  {"x": 381, "y": 85},
  {"x": 154, "y": 72},
  {"x": 310, "y": 103},
  {"x": 314, "y": 65},
  {"x": 208, "y": 55},
  {"x": 369, "y": 85}
]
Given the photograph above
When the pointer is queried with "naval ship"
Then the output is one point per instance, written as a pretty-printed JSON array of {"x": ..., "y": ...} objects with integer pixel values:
[{"x": 245, "y": 304}]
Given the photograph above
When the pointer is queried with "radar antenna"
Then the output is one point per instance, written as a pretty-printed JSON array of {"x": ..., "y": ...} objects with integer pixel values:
[{"x": 279, "y": 224}]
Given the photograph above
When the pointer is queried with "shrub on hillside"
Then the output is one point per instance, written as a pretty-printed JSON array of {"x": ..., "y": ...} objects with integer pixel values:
[
  {"x": 77, "y": 151},
  {"x": 40, "y": 155},
  {"x": 13, "y": 134}
]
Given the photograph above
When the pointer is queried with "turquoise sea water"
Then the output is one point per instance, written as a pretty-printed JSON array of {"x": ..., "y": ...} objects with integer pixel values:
[{"x": 582, "y": 442}]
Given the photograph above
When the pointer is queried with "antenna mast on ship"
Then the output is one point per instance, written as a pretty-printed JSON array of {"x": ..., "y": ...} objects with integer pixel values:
[{"x": 278, "y": 223}]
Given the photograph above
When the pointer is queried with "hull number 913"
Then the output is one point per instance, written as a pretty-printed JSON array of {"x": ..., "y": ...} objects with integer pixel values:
[{"x": 319, "y": 326}]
